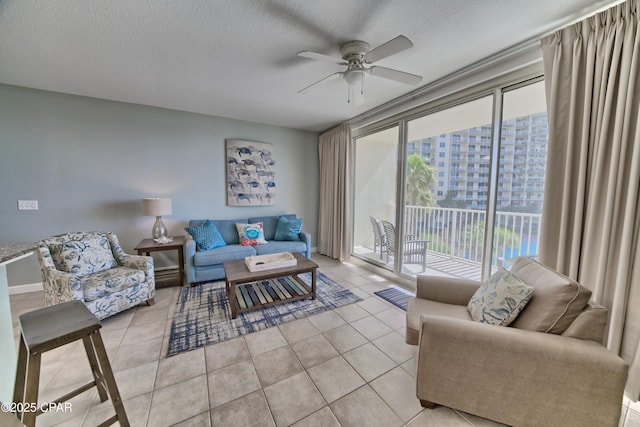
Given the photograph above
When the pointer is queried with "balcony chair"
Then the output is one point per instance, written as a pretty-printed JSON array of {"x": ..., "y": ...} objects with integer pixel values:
[
  {"x": 541, "y": 365},
  {"x": 92, "y": 267},
  {"x": 414, "y": 251},
  {"x": 379, "y": 237}
]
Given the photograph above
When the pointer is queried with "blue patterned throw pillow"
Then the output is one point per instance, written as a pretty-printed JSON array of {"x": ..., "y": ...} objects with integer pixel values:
[
  {"x": 500, "y": 299},
  {"x": 207, "y": 236},
  {"x": 288, "y": 229}
]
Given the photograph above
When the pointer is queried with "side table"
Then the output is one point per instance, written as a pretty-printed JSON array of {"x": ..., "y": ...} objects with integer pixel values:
[{"x": 147, "y": 246}]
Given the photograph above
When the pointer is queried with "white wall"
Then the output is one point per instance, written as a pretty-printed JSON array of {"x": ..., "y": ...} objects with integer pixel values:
[{"x": 89, "y": 162}]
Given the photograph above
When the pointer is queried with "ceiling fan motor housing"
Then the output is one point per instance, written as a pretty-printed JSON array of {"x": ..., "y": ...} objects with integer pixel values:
[{"x": 354, "y": 51}]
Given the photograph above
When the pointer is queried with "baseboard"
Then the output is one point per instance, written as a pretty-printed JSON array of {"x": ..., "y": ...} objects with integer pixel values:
[{"x": 25, "y": 289}]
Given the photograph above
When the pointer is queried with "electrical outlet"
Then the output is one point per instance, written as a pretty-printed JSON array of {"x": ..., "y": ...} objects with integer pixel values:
[{"x": 27, "y": 205}]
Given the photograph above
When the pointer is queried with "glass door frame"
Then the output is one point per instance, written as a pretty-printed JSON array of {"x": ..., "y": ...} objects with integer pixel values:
[{"x": 495, "y": 88}]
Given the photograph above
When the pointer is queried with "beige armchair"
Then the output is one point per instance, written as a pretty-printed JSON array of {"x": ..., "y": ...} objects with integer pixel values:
[{"x": 548, "y": 368}]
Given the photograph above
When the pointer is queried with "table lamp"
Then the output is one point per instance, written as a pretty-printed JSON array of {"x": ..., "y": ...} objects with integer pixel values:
[{"x": 157, "y": 206}]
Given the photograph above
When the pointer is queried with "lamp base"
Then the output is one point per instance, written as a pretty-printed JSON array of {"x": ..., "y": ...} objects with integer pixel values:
[{"x": 159, "y": 230}]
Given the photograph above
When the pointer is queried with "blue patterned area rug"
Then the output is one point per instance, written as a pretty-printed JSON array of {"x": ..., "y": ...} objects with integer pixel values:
[
  {"x": 202, "y": 315},
  {"x": 395, "y": 296}
]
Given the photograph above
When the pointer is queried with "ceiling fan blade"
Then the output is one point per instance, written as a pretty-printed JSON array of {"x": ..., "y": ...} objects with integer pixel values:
[
  {"x": 329, "y": 77},
  {"x": 398, "y": 76},
  {"x": 389, "y": 48},
  {"x": 321, "y": 57}
]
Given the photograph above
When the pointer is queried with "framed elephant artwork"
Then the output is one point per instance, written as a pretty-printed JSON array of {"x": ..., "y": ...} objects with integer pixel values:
[{"x": 251, "y": 176}]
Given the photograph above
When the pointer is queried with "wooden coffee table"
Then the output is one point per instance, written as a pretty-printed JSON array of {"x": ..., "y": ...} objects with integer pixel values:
[{"x": 251, "y": 291}]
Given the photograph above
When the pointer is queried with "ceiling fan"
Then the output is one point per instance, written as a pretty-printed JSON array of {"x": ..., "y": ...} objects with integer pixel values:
[{"x": 357, "y": 55}]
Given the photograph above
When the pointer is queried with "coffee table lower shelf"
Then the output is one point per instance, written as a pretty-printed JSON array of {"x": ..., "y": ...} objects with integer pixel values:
[{"x": 268, "y": 292}]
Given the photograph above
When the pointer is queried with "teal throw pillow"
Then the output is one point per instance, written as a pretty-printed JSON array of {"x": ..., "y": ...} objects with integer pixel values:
[
  {"x": 207, "y": 236},
  {"x": 500, "y": 299},
  {"x": 288, "y": 229}
]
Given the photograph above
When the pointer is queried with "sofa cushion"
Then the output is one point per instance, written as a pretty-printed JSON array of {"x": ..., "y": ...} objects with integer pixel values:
[
  {"x": 99, "y": 285},
  {"x": 288, "y": 229},
  {"x": 222, "y": 254},
  {"x": 274, "y": 247},
  {"x": 269, "y": 224},
  {"x": 87, "y": 256},
  {"x": 206, "y": 236},
  {"x": 556, "y": 302},
  {"x": 589, "y": 325},
  {"x": 251, "y": 234},
  {"x": 499, "y": 299}
]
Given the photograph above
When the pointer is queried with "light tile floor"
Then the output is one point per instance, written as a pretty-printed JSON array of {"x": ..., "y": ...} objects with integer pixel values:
[{"x": 345, "y": 367}]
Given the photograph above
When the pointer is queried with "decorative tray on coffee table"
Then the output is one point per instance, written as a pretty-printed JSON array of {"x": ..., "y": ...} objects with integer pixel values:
[{"x": 270, "y": 261}]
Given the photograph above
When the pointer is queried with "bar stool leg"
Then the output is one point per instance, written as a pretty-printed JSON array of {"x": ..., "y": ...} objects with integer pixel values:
[
  {"x": 95, "y": 369},
  {"x": 109, "y": 378},
  {"x": 33, "y": 382},
  {"x": 21, "y": 371}
]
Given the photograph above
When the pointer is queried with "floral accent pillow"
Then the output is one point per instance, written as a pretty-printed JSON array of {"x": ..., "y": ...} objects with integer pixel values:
[
  {"x": 500, "y": 299},
  {"x": 207, "y": 236},
  {"x": 83, "y": 257},
  {"x": 251, "y": 234}
]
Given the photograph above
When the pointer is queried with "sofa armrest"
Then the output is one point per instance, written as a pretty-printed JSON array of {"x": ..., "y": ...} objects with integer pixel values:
[
  {"x": 446, "y": 289},
  {"x": 306, "y": 238},
  {"x": 518, "y": 377},
  {"x": 138, "y": 262},
  {"x": 189, "y": 253}
]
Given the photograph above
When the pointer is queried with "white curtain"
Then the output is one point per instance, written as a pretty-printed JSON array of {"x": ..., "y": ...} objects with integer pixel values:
[
  {"x": 336, "y": 183},
  {"x": 590, "y": 210}
]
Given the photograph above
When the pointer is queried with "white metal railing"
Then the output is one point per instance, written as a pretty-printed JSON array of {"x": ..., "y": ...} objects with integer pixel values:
[{"x": 459, "y": 233}]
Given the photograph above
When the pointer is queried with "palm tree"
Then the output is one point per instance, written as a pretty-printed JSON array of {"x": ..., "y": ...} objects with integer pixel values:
[{"x": 421, "y": 177}]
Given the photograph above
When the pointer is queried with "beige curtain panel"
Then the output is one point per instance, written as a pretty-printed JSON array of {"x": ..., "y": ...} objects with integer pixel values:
[
  {"x": 590, "y": 210},
  {"x": 336, "y": 183}
]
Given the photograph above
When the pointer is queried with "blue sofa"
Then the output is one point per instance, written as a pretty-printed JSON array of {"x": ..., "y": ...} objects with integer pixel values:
[{"x": 204, "y": 266}]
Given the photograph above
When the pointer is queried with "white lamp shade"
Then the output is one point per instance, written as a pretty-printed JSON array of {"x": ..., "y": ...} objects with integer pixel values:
[{"x": 156, "y": 206}]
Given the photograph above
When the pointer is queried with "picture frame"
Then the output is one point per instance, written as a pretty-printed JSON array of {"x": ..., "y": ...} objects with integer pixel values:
[{"x": 250, "y": 173}]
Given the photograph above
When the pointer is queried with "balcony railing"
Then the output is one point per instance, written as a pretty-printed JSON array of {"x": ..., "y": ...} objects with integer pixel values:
[{"x": 459, "y": 233}]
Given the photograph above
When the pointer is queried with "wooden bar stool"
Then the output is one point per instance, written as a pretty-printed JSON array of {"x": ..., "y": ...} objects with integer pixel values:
[{"x": 52, "y": 327}]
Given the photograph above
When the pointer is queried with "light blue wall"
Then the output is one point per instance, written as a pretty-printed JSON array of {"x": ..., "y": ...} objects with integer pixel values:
[{"x": 89, "y": 162}]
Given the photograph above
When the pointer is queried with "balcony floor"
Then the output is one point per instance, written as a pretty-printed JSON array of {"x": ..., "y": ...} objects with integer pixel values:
[{"x": 437, "y": 264}]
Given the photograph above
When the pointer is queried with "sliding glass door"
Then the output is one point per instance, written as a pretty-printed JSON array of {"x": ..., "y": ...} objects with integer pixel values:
[
  {"x": 461, "y": 172},
  {"x": 446, "y": 185},
  {"x": 521, "y": 172},
  {"x": 375, "y": 194}
]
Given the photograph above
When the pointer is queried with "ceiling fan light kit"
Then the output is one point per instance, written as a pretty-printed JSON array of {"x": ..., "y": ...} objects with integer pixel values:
[{"x": 357, "y": 55}]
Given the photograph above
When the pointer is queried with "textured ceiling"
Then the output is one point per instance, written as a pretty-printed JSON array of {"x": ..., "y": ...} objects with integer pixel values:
[{"x": 237, "y": 58}]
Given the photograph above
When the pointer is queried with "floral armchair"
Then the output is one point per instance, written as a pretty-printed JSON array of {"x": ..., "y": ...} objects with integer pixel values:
[{"x": 93, "y": 268}]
